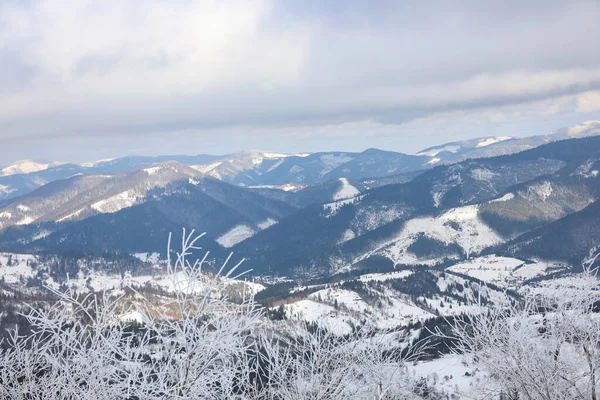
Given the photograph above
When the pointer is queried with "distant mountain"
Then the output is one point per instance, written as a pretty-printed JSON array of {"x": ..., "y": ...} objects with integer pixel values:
[
  {"x": 260, "y": 168},
  {"x": 544, "y": 199},
  {"x": 572, "y": 239},
  {"x": 437, "y": 215},
  {"x": 312, "y": 214},
  {"x": 82, "y": 196},
  {"x": 26, "y": 167},
  {"x": 251, "y": 168},
  {"x": 503, "y": 145},
  {"x": 140, "y": 216},
  {"x": 19, "y": 184},
  {"x": 315, "y": 194}
]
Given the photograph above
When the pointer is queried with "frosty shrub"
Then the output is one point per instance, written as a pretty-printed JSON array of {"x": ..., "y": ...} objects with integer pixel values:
[
  {"x": 544, "y": 347},
  {"x": 194, "y": 344}
]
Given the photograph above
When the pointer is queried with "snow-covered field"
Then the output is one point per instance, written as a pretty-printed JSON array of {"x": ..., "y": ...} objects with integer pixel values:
[
  {"x": 346, "y": 191},
  {"x": 235, "y": 235},
  {"x": 333, "y": 208},
  {"x": 385, "y": 276},
  {"x": 461, "y": 226},
  {"x": 338, "y": 310},
  {"x": 16, "y": 268},
  {"x": 117, "y": 202},
  {"x": 449, "y": 375},
  {"x": 492, "y": 140},
  {"x": 26, "y": 167},
  {"x": 501, "y": 271},
  {"x": 435, "y": 151}
]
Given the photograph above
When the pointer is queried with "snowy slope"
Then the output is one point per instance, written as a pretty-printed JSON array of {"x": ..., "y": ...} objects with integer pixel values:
[
  {"x": 346, "y": 191},
  {"x": 235, "y": 235},
  {"x": 461, "y": 226},
  {"x": 492, "y": 140},
  {"x": 502, "y": 271},
  {"x": 338, "y": 310},
  {"x": 26, "y": 167},
  {"x": 16, "y": 269}
]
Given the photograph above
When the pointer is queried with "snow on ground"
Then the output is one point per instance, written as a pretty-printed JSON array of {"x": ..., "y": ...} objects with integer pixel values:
[
  {"x": 339, "y": 309},
  {"x": 434, "y": 160},
  {"x": 101, "y": 281},
  {"x": 25, "y": 167},
  {"x": 152, "y": 170},
  {"x": 540, "y": 191},
  {"x": 482, "y": 174},
  {"x": 287, "y": 187},
  {"x": 460, "y": 225},
  {"x": 6, "y": 190},
  {"x": 559, "y": 286},
  {"x": 347, "y": 235},
  {"x": 95, "y": 163},
  {"x": 501, "y": 271},
  {"x": 153, "y": 258},
  {"x": 326, "y": 316},
  {"x": 69, "y": 216},
  {"x": 116, "y": 202},
  {"x": 586, "y": 171},
  {"x": 132, "y": 316},
  {"x": 19, "y": 268},
  {"x": 15, "y": 269},
  {"x": 291, "y": 187},
  {"x": 333, "y": 208},
  {"x": 448, "y": 374},
  {"x": 384, "y": 276},
  {"x": 346, "y": 191},
  {"x": 206, "y": 168},
  {"x": 235, "y": 235},
  {"x": 371, "y": 217},
  {"x": 506, "y": 197},
  {"x": 332, "y": 161},
  {"x": 492, "y": 140},
  {"x": 434, "y": 152},
  {"x": 25, "y": 221},
  {"x": 266, "y": 223},
  {"x": 41, "y": 234}
]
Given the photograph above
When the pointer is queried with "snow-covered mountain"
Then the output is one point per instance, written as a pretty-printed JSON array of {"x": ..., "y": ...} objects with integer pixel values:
[
  {"x": 503, "y": 145},
  {"x": 132, "y": 213},
  {"x": 314, "y": 214},
  {"x": 252, "y": 168},
  {"x": 449, "y": 212},
  {"x": 82, "y": 196},
  {"x": 262, "y": 168},
  {"x": 26, "y": 167},
  {"x": 275, "y": 169}
]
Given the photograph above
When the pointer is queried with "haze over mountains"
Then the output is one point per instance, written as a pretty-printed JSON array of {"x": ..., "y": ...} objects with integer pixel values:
[{"x": 320, "y": 213}]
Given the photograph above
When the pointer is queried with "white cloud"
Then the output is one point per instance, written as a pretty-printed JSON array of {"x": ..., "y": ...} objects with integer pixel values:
[
  {"x": 588, "y": 102},
  {"x": 90, "y": 69}
]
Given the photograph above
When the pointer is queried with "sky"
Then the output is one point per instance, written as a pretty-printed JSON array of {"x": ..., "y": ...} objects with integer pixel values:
[{"x": 82, "y": 80}]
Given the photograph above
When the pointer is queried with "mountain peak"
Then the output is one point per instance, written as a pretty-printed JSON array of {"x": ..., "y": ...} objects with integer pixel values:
[{"x": 26, "y": 167}]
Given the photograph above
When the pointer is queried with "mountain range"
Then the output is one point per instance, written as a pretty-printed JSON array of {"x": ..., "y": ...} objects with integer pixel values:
[{"x": 322, "y": 213}]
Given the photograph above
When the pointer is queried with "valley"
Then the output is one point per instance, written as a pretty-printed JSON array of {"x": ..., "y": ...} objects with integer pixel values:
[{"x": 338, "y": 241}]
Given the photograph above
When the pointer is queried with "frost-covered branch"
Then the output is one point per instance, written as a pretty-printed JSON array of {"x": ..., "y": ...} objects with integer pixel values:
[
  {"x": 545, "y": 347},
  {"x": 195, "y": 343}
]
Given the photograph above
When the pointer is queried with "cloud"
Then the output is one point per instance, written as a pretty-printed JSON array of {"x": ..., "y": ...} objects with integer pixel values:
[
  {"x": 588, "y": 102},
  {"x": 89, "y": 69}
]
